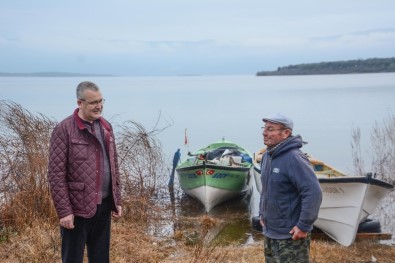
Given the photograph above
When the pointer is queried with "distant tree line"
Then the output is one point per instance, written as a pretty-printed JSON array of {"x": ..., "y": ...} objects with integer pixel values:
[{"x": 372, "y": 65}]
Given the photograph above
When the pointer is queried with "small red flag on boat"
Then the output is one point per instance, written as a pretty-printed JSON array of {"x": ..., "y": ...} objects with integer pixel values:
[{"x": 186, "y": 137}]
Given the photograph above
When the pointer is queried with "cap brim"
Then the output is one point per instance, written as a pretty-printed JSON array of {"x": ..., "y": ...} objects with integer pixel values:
[{"x": 265, "y": 120}]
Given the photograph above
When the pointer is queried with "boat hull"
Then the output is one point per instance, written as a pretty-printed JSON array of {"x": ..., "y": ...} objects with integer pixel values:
[
  {"x": 347, "y": 201},
  {"x": 213, "y": 184}
]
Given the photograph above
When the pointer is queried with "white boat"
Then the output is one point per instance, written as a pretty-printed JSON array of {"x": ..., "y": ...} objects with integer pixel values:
[{"x": 347, "y": 201}]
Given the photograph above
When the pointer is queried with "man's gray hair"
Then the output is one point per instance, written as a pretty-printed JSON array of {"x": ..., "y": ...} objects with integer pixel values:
[{"x": 85, "y": 85}]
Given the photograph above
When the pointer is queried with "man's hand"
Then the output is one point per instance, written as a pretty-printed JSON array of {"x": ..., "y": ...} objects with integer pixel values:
[
  {"x": 261, "y": 221},
  {"x": 67, "y": 222},
  {"x": 297, "y": 233},
  {"x": 118, "y": 213}
]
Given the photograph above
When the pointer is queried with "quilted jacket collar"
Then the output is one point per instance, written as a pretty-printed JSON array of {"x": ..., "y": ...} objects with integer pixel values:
[{"x": 81, "y": 125}]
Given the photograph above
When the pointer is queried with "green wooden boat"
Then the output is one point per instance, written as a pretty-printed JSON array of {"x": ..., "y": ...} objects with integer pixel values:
[{"x": 216, "y": 173}]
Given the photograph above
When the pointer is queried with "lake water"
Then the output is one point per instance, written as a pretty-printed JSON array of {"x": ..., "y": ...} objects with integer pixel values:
[{"x": 325, "y": 108}]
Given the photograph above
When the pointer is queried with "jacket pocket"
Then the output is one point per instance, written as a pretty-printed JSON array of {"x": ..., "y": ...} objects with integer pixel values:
[
  {"x": 79, "y": 149},
  {"x": 277, "y": 216},
  {"x": 77, "y": 195}
]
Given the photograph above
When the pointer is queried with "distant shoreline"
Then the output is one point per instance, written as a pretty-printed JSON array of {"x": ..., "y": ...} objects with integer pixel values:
[
  {"x": 372, "y": 65},
  {"x": 360, "y": 66}
]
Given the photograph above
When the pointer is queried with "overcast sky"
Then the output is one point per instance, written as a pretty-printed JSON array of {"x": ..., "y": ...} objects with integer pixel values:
[{"x": 172, "y": 37}]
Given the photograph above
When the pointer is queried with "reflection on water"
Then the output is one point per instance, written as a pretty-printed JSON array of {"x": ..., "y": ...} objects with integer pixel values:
[{"x": 227, "y": 223}]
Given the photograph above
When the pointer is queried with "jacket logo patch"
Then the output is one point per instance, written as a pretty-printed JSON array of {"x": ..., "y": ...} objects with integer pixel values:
[{"x": 276, "y": 170}]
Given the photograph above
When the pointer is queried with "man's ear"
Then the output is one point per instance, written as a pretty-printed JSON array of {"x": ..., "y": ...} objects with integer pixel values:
[{"x": 287, "y": 133}]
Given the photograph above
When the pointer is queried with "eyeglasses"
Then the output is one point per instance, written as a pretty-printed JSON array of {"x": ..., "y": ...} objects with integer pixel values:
[
  {"x": 271, "y": 129},
  {"x": 94, "y": 103}
]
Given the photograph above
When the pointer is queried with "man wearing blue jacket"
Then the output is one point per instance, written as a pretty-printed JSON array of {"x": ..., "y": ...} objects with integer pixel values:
[{"x": 291, "y": 195}]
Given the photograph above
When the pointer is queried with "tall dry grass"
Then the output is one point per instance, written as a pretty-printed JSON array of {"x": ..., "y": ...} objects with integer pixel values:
[
  {"x": 383, "y": 148},
  {"x": 382, "y": 152},
  {"x": 143, "y": 170},
  {"x": 24, "y": 143},
  {"x": 25, "y": 200},
  {"x": 24, "y": 191}
]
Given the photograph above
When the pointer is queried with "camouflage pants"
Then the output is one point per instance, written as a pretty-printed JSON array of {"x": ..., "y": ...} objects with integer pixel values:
[{"x": 287, "y": 250}]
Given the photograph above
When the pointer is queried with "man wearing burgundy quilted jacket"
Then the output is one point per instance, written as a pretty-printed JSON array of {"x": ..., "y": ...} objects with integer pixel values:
[{"x": 84, "y": 178}]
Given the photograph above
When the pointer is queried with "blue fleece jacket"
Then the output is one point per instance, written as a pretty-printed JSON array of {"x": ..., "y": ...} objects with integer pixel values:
[{"x": 291, "y": 194}]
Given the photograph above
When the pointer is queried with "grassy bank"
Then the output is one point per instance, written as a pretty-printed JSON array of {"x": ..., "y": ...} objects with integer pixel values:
[{"x": 130, "y": 243}]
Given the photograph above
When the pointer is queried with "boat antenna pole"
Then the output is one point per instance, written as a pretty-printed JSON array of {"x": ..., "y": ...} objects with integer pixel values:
[{"x": 176, "y": 160}]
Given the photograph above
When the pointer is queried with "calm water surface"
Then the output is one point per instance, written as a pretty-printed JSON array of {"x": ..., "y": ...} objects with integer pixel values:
[{"x": 325, "y": 108}]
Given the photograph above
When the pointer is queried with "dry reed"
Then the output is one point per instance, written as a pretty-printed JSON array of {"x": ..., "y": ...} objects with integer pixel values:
[
  {"x": 24, "y": 191},
  {"x": 382, "y": 149}
]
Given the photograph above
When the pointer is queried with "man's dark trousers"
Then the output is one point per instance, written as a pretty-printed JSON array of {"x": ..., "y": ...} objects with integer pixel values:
[{"x": 94, "y": 232}]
